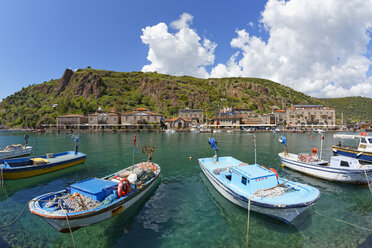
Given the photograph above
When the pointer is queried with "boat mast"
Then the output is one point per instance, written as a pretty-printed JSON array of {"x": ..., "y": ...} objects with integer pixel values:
[
  {"x": 255, "y": 150},
  {"x": 321, "y": 145}
]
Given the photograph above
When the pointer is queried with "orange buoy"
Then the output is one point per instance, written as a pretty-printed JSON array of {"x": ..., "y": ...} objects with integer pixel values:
[
  {"x": 315, "y": 150},
  {"x": 126, "y": 184}
]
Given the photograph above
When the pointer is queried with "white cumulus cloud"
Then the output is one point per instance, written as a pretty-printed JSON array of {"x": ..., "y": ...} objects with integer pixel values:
[
  {"x": 180, "y": 53},
  {"x": 317, "y": 47}
]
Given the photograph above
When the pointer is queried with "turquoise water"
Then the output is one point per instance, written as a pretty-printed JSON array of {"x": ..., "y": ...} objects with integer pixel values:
[{"x": 184, "y": 210}]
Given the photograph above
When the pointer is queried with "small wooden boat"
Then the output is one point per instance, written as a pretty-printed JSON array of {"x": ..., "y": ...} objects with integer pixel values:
[
  {"x": 362, "y": 152},
  {"x": 13, "y": 151},
  {"x": 94, "y": 200},
  {"x": 33, "y": 166},
  {"x": 268, "y": 193}
]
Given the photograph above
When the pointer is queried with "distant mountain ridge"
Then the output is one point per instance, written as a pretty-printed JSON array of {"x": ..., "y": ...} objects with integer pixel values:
[
  {"x": 353, "y": 108},
  {"x": 84, "y": 90}
]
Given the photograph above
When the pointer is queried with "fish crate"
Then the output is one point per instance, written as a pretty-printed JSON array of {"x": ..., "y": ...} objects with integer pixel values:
[{"x": 95, "y": 188}]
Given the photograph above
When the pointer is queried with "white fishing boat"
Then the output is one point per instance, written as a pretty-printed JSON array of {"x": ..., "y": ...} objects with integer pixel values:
[
  {"x": 13, "y": 151},
  {"x": 338, "y": 169},
  {"x": 362, "y": 151},
  {"x": 18, "y": 150}
]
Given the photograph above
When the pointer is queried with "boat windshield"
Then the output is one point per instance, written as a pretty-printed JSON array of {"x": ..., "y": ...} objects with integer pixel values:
[{"x": 370, "y": 140}]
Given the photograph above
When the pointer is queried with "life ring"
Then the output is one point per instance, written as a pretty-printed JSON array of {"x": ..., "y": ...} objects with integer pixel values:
[
  {"x": 126, "y": 184},
  {"x": 276, "y": 173}
]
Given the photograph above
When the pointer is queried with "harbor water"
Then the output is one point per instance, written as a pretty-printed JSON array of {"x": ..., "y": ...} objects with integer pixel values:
[{"x": 184, "y": 210}]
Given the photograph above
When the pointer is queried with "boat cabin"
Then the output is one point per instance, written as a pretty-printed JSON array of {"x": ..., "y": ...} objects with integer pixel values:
[
  {"x": 344, "y": 162},
  {"x": 365, "y": 142},
  {"x": 250, "y": 177}
]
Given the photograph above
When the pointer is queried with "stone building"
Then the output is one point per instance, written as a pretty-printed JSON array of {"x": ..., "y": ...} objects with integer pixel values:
[
  {"x": 265, "y": 120},
  {"x": 310, "y": 116},
  {"x": 178, "y": 122},
  {"x": 195, "y": 115},
  {"x": 103, "y": 119},
  {"x": 228, "y": 121},
  {"x": 140, "y": 116},
  {"x": 71, "y": 121},
  {"x": 280, "y": 116}
]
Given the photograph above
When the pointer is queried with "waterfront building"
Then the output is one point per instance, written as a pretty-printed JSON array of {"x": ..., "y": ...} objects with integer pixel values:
[
  {"x": 178, "y": 122},
  {"x": 71, "y": 121},
  {"x": 228, "y": 121},
  {"x": 103, "y": 119},
  {"x": 195, "y": 115},
  {"x": 266, "y": 120},
  {"x": 280, "y": 116},
  {"x": 310, "y": 116},
  {"x": 140, "y": 116}
]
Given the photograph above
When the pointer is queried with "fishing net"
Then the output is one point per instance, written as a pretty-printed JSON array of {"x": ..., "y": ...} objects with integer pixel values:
[
  {"x": 72, "y": 204},
  {"x": 307, "y": 158},
  {"x": 271, "y": 193}
]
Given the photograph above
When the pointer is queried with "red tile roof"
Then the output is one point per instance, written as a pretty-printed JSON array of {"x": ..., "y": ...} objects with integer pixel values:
[
  {"x": 177, "y": 118},
  {"x": 71, "y": 115}
]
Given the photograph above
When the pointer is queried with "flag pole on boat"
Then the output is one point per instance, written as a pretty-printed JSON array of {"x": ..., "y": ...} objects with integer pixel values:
[
  {"x": 321, "y": 145},
  {"x": 134, "y": 145}
]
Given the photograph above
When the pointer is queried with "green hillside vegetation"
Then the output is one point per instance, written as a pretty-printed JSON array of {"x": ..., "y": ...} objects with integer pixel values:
[
  {"x": 355, "y": 109},
  {"x": 85, "y": 90}
]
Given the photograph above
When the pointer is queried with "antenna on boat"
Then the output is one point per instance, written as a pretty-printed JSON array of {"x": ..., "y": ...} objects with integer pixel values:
[
  {"x": 213, "y": 144},
  {"x": 255, "y": 149}
]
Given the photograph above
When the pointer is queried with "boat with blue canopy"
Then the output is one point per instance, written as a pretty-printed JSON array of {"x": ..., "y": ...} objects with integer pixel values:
[
  {"x": 267, "y": 193},
  {"x": 95, "y": 199}
]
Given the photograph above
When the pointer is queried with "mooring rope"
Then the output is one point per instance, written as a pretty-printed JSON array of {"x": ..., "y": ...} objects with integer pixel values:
[
  {"x": 19, "y": 215},
  {"x": 369, "y": 186},
  {"x": 2, "y": 177},
  {"x": 68, "y": 224},
  {"x": 249, "y": 211},
  {"x": 345, "y": 222}
]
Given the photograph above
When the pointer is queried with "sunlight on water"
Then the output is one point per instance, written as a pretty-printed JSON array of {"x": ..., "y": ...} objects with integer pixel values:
[{"x": 184, "y": 210}]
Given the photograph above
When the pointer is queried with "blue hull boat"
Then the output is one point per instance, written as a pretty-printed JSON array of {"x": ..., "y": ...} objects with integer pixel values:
[{"x": 268, "y": 194}]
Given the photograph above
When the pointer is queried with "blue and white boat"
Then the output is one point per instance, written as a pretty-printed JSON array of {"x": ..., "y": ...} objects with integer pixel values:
[
  {"x": 96, "y": 199},
  {"x": 363, "y": 150},
  {"x": 268, "y": 193},
  {"x": 338, "y": 169}
]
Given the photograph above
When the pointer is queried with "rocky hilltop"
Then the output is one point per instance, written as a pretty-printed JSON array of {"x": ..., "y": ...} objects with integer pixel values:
[{"x": 84, "y": 90}]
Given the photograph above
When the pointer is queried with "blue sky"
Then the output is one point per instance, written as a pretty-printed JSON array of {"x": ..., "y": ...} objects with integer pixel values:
[{"x": 39, "y": 39}]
